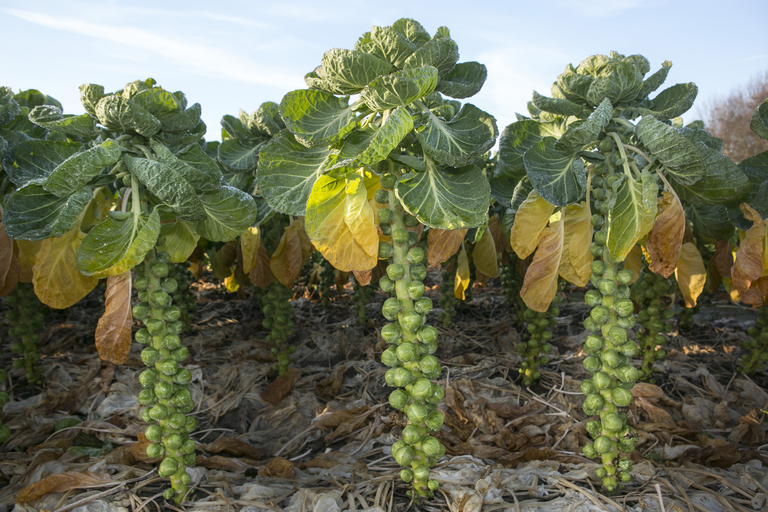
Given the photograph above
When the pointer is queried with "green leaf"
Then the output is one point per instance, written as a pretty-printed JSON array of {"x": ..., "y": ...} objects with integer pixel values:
[
  {"x": 620, "y": 82},
  {"x": 446, "y": 198},
  {"x": 573, "y": 85},
  {"x": 267, "y": 119},
  {"x": 580, "y": 134},
  {"x": 168, "y": 186},
  {"x": 51, "y": 118},
  {"x": 632, "y": 216},
  {"x": 9, "y": 107},
  {"x": 117, "y": 244},
  {"x": 229, "y": 212},
  {"x": 387, "y": 44},
  {"x": 204, "y": 175},
  {"x": 400, "y": 88},
  {"x": 710, "y": 221},
  {"x": 376, "y": 145},
  {"x": 520, "y": 194},
  {"x": 411, "y": 30},
  {"x": 654, "y": 81},
  {"x": 672, "y": 102},
  {"x": 410, "y": 161},
  {"x": 176, "y": 141},
  {"x": 756, "y": 169},
  {"x": 593, "y": 65},
  {"x": 239, "y": 156},
  {"x": 36, "y": 159},
  {"x": 759, "y": 121},
  {"x": 701, "y": 135},
  {"x": 118, "y": 113},
  {"x": 441, "y": 53},
  {"x": 81, "y": 168},
  {"x": 90, "y": 94},
  {"x": 561, "y": 107},
  {"x": 516, "y": 139},
  {"x": 263, "y": 211},
  {"x": 180, "y": 240},
  {"x": 558, "y": 176},
  {"x": 288, "y": 171},
  {"x": 674, "y": 151},
  {"x": 31, "y": 213},
  {"x": 317, "y": 118},
  {"x": 723, "y": 183},
  {"x": 158, "y": 102},
  {"x": 459, "y": 141},
  {"x": 182, "y": 120},
  {"x": 349, "y": 71},
  {"x": 464, "y": 80}
]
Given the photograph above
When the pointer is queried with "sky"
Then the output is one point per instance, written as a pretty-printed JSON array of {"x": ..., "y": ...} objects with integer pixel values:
[{"x": 229, "y": 55}]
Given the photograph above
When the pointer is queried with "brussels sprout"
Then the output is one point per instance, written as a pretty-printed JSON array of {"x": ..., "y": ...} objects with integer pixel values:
[
  {"x": 188, "y": 447},
  {"x": 389, "y": 357},
  {"x": 168, "y": 467},
  {"x": 155, "y": 450},
  {"x": 140, "y": 283},
  {"x": 593, "y": 344},
  {"x": 587, "y": 387},
  {"x": 415, "y": 255},
  {"x": 158, "y": 411},
  {"x": 163, "y": 389},
  {"x": 406, "y": 352},
  {"x": 155, "y": 326},
  {"x": 421, "y": 388},
  {"x": 611, "y": 358},
  {"x": 400, "y": 236},
  {"x": 423, "y": 306},
  {"x": 607, "y": 287},
  {"x": 617, "y": 335},
  {"x": 149, "y": 356},
  {"x": 418, "y": 272},
  {"x": 601, "y": 237},
  {"x": 589, "y": 451},
  {"x": 169, "y": 367},
  {"x": 416, "y": 412},
  {"x": 627, "y": 373},
  {"x": 395, "y": 271},
  {"x": 406, "y": 475},
  {"x": 594, "y": 428},
  {"x": 415, "y": 290},
  {"x": 629, "y": 349},
  {"x": 612, "y": 422},
  {"x": 385, "y": 249},
  {"x": 625, "y": 276},
  {"x": 412, "y": 435},
  {"x": 624, "y": 307},
  {"x": 590, "y": 324},
  {"x": 169, "y": 285},
  {"x": 404, "y": 456},
  {"x": 413, "y": 238},
  {"x": 391, "y": 308},
  {"x": 434, "y": 421},
  {"x": 381, "y": 196},
  {"x": 391, "y": 332},
  {"x": 598, "y": 267},
  {"x": 140, "y": 311},
  {"x": 593, "y": 404},
  {"x": 421, "y": 473},
  {"x": 412, "y": 320},
  {"x": 599, "y": 315},
  {"x": 601, "y": 380},
  {"x": 183, "y": 377},
  {"x": 159, "y": 269},
  {"x": 180, "y": 354},
  {"x": 602, "y": 445},
  {"x": 171, "y": 313},
  {"x": 429, "y": 365},
  {"x": 621, "y": 397},
  {"x": 592, "y": 364}
]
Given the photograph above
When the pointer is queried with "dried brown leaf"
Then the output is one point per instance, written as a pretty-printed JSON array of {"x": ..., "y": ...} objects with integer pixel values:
[
  {"x": 748, "y": 266},
  {"x": 232, "y": 446},
  {"x": 223, "y": 463},
  {"x": 139, "y": 449},
  {"x": 329, "y": 386},
  {"x": 723, "y": 258},
  {"x": 261, "y": 275},
  {"x": 691, "y": 274},
  {"x": 634, "y": 262},
  {"x": 332, "y": 419},
  {"x": 113, "y": 331},
  {"x": 665, "y": 238},
  {"x": 540, "y": 282},
  {"x": 757, "y": 295},
  {"x": 63, "y": 482},
  {"x": 288, "y": 258},
  {"x": 442, "y": 244},
  {"x": 280, "y": 387},
  {"x": 494, "y": 226},
  {"x": 363, "y": 277},
  {"x": 277, "y": 468}
]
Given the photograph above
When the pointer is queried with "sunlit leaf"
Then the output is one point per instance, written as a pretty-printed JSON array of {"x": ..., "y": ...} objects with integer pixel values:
[
  {"x": 575, "y": 264},
  {"x": 531, "y": 219},
  {"x": 691, "y": 274},
  {"x": 540, "y": 281},
  {"x": 632, "y": 216},
  {"x": 250, "y": 240},
  {"x": 484, "y": 255},
  {"x": 665, "y": 238},
  {"x": 113, "y": 330},
  {"x": 287, "y": 260},
  {"x": 461, "y": 282},
  {"x": 443, "y": 243},
  {"x": 748, "y": 264}
]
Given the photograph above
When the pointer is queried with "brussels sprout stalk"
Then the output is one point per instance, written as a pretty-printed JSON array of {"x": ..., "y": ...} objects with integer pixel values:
[
  {"x": 26, "y": 315},
  {"x": 757, "y": 356},
  {"x": 534, "y": 351},
  {"x": 650, "y": 294},
  {"x": 412, "y": 367},
  {"x": 512, "y": 282},
  {"x": 608, "y": 348},
  {"x": 166, "y": 386},
  {"x": 277, "y": 309}
]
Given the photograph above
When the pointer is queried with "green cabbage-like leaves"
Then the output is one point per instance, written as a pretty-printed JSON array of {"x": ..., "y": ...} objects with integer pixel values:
[
  {"x": 446, "y": 198},
  {"x": 90, "y": 94},
  {"x": 168, "y": 186},
  {"x": 182, "y": 120},
  {"x": 723, "y": 182},
  {"x": 371, "y": 146},
  {"x": 671, "y": 102},
  {"x": 157, "y": 101},
  {"x": 349, "y": 71},
  {"x": 710, "y": 221},
  {"x": 756, "y": 170},
  {"x": 759, "y": 121},
  {"x": 317, "y": 118},
  {"x": 9, "y": 107},
  {"x": 400, "y": 88},
  {"x": 288, "y": 171},
  {"x": 620, "y": 82},
  {"x": 411, "y": 30},
  {"x": 558, "y": 106},
  {"x": 81, "y": 168},
  {"x": 36, "y": 159},
  {"x": 441, "y": 53},
  {"x": 678, "y": 154},
  {"x": 266, "y": 121},
  {"x": 516, "y": 139},
  {"x": 584, "y": 132},
  {"x": 387, "y": 44},
  {"x": 228, "y": 212},
  {"x": 558, "y": 176},
  {"x": 654, "y": 81},
  {"x": 180, "y": 240},
  {"x": 464, "y": 80},
  {"x": 176, "y": 141},
  {"x": 238, "y": 155},
  {"x": 461, "y": 140},
  {"x": 51, "y": 118},
  {"x": 196, "y": 167},
  {"x": 118, "y": 244},
  {"x": 632, "y": 216},
  {"x": 31, "y": 213},
  {"x": 574, "y": 86},
  {"x": 118, "y": 113}
]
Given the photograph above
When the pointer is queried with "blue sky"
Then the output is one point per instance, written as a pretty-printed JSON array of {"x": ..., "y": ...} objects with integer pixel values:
[{"x": 232, "y": 55}]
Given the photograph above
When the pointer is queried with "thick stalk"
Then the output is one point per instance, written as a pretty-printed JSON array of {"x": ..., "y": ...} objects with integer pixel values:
[{"x": 651, "y": 292}]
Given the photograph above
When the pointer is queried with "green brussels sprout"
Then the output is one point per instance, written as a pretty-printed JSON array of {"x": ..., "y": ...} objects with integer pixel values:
[
  {"x": 381, "y": 196},
  {"x": 593, "y": 344},
  {"x": 404, "y": 456},
  {"x": 169, "y": 367},
  {"x": 412, "y": 321},
  {"x": 607, "y": 287},
  {"x": 191, "y": 424},
  {"x": 149, "y": 356},
  {"x": 599, "y": 315},
  {"x": 593, "y": 404},
  {"x": 385, "y": 248},
  {"x": 415, "y": 290},
  {"x": 595, "y": 250},
  {"x": 587, "y": 387},
  {"x": 140, "y": 311},
  {"x": 621, "y": 397},
  {"x": 180, "y": 354},
  {"x": 17, "y": 348},
  {"x": 434, "y": 421},
  {"x": 400, "y": 236},
  {"x": 145, "y": 415},
  {"x": 148, "y": 377},
  {"x": 626, "y": 322},
  {"x": 629, "y": 349},
  {"x": 176, "y": 420},
  {"x": 406, "y": 475},
  {"x": 431, "y": 446},
  {"x": 415, "y": 255},
  {"x": 171, "y": 341},
  {"x": 594, "y": 428},
  {"x": 601, "y": 380},
  {"x": 598, "y": 267},
  {"x": 601, "y": 472},
  {"x": 159, "y": 269},
  {"x": 627, "y": 373},
  {"x": 601, "y": 237},
  {"x": 183, "y": 377},
  {"x": 402, "y": 377},
  {"x": 155, "y": 326},
  {"x": 416, "y": 412},
  {"x": 428, "y": 348},
  {"x": 169, "y": 285},
  {"x": 602, "y": 445},
  {"x": 155, "y": 450},
  {"x": 395, "y": 271},
  {"x": 611, "y": 358},
  {"x": 391, "y": 308},
  {"x": 411, "y": 221},
  {"x": 429, "y": 365},
  {"x": 158, "y": 411},
  {"x": 592, "y": 364},
  {"x": 624, "y": 307},
  {"x": 412, "y": 435},
  {"x": 386, "y": 284},
  {"x": 188, "y": 447},
  {"x": 589, "y": 451},
  {"x": 17, "y": 364},
  {"x": 389, "y": 357},
  {"x": 423, "y": 305},
  {"x": 168, "y": 467},
  {"x": 624, "y": 476},
  {"x": 406, "y": 352},
  {"x": 591, "y": 325},
  {"x": 418, "y": 272},
  {"x": 413, "y": 238},
  {"x": 389, "y": 377},
  {"x": 388, "y": 182},
  {"x": 189, "y": 459},
  {"x": 163, "y": 389},
  {"x": 391, "y": 332},
  {"x": 385, "y": 216},
  {"x": 171, "y": 313},
  {"x": 3, "y": 375},
  {"x": 437, "y": 394},
  {"x": 421, "y": 473},
  {"x": 612, "y": 422},
  {"x": 173, "y": 442},
  {"x": 140, "y": 283},
  {"x": 421, "y": 388}
]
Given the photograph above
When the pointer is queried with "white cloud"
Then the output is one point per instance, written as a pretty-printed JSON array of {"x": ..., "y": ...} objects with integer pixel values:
[
  {"x": 605, "y": 8},
  {"x": 205, "y": 59}
]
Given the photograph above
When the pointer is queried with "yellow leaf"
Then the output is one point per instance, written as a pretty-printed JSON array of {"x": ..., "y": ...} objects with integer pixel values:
[
  {"x": 732, "y": 291},
  {"x": 27, "y": 253},
  {"x": 260, "y": 275},
  {"x": 10, "y": 267},
  {"x": 231, "y": 284},
  {"x": 461, "y": 283},
  {"x": 531, "y": 219},
  {"x": 757, "y": 294},
  {"x": 306, "y": 244},
  {"x": 249, "y": 246},
  {"x": 540, "y": 282},
  {"x": 748, "y": 265},
  {"x": 340, "y": 223},
  {"x": 634, "y": 262},
  {"x": 287, "y": 260},
  {"x": 690, "y": 273},
  {"x": 575, "y": 264},
  {"x": 58, "y": 283},
  {"x": 484, "y": 255},
  {"x": 113, "y": 331},
  {"x": 494, "y": 225},
  {"x": 442, "y": 244},
  {"x": 665, "y": 238}
]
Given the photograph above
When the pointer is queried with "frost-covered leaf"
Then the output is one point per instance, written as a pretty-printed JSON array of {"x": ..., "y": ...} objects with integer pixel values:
[
  {"x": 81, "y": 168},
  {"x": 228, "y": 212},
  {"x": 461, "y": 140},
  {"x": 558, "y": 176},
  {"x": 464, "y": 80},
  {"x": 36, "y": 159},
  {"x": 317, "y": 118},
  {"x": 678, "y": 154},
  {"x": 400, "y": 88}
]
